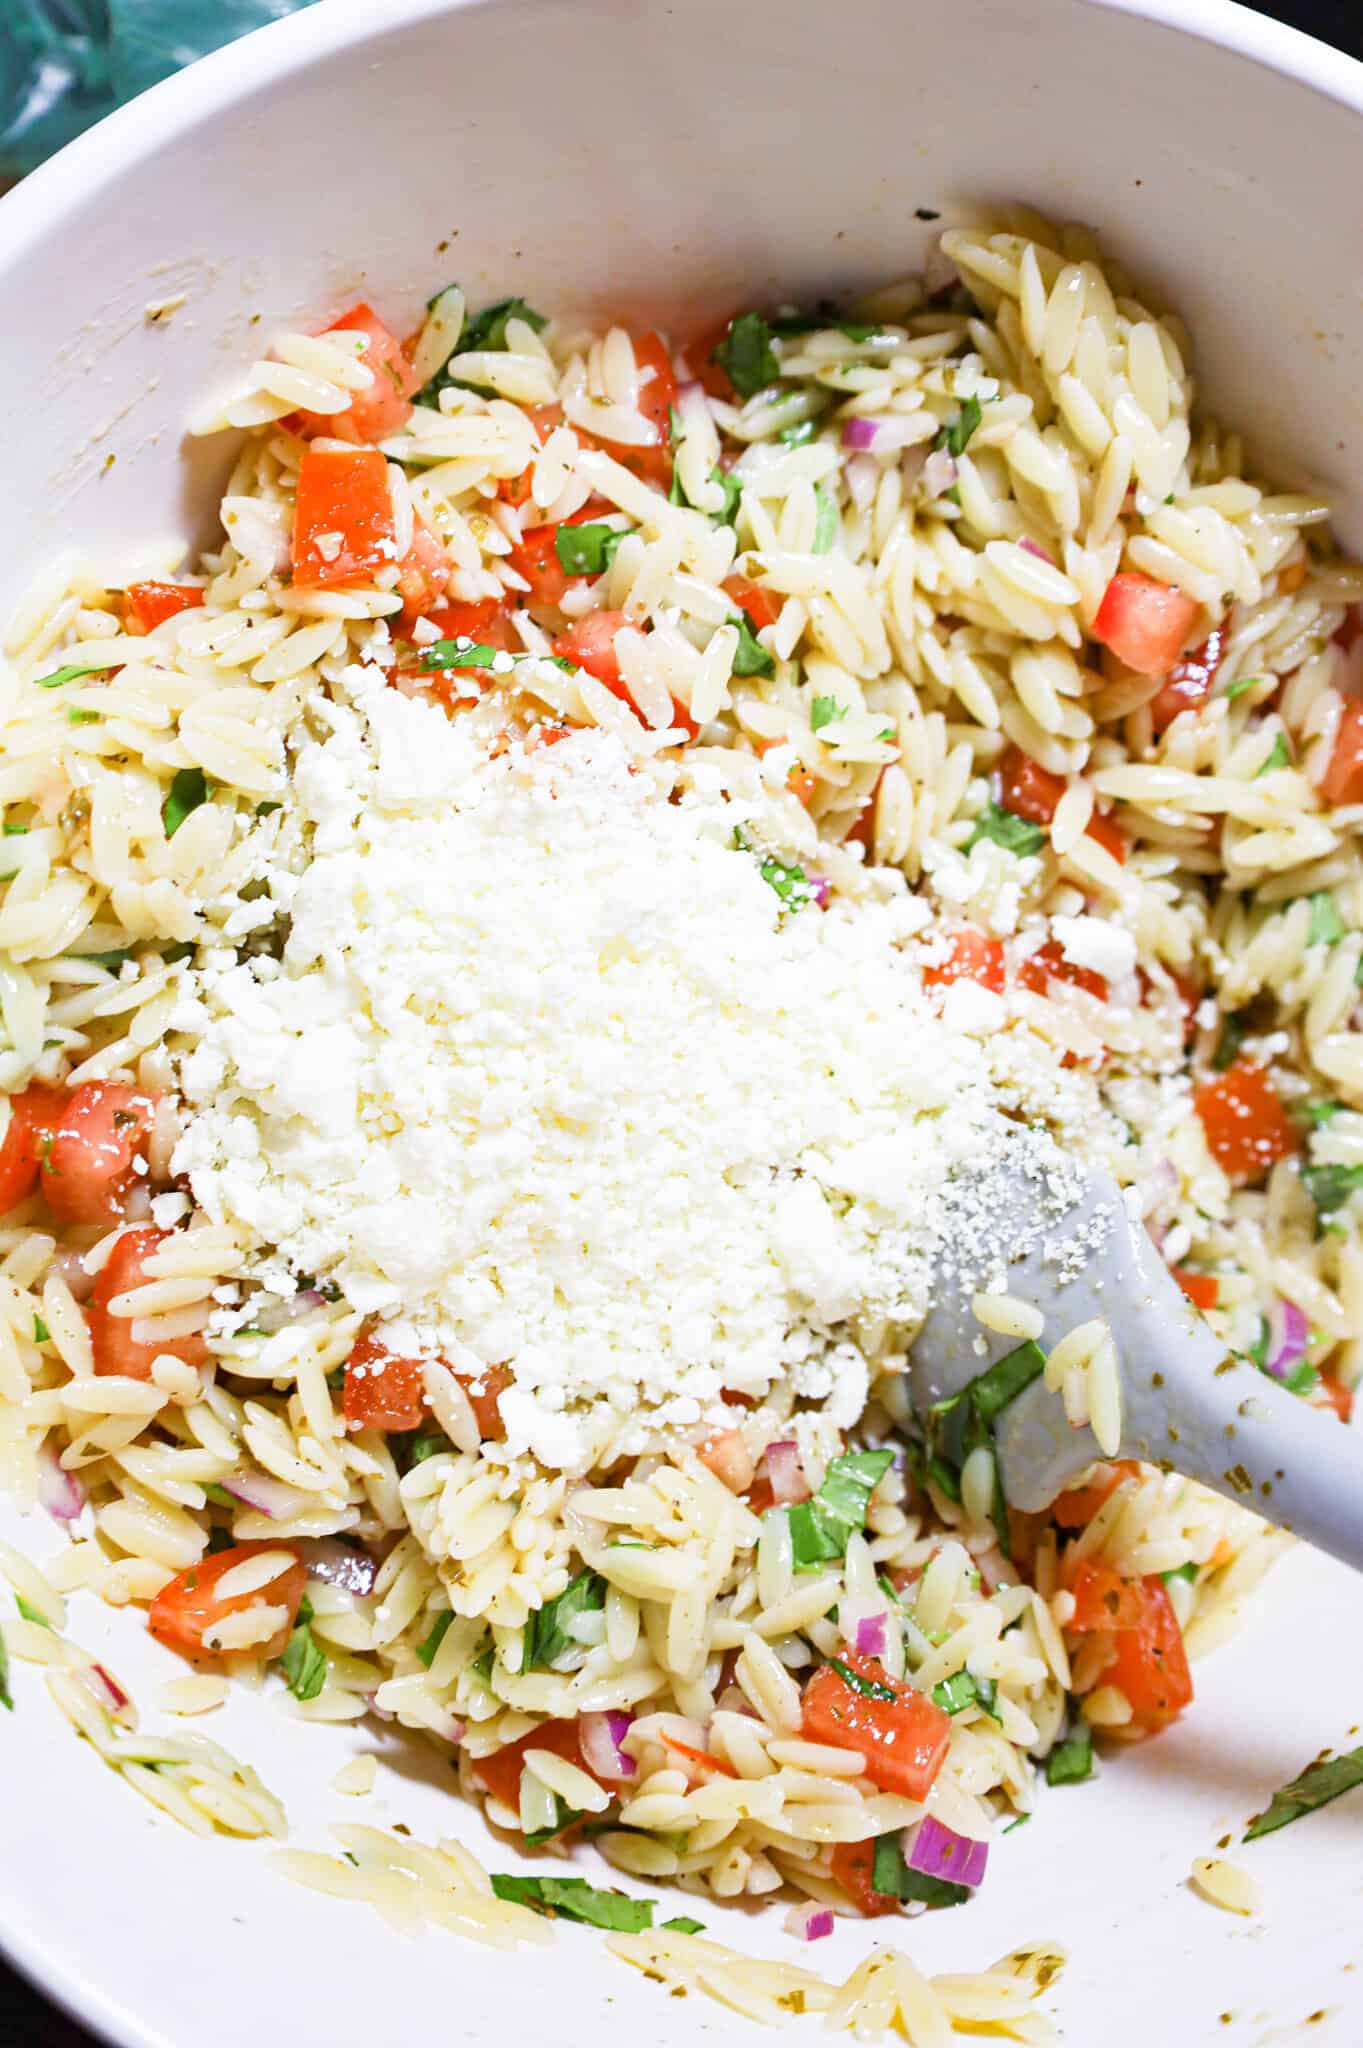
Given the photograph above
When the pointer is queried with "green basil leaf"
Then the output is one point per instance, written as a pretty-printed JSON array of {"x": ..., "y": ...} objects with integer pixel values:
[
  {"x": 1318, "y": 1114},
  {"x": 869, "y": 1688},
  {"x": 751, "y": 657},
  {"x": 991, "y": 1393},
  {"x": 41, "y": 1333},
  {"x": 302, "y": 1663},
  {"x": 439, "y": 1630},
  {"x": 30, "y": 1612},
  {"x": 788, "y": 880},
  {"x": 1327, "y": 926},
  {"x": 1071, "y": 1761},
  {"x": 1017, "y": 835},
  {"x": 826, "y": 523},
  {"x": 487, "y": 330},
  {"x": 588, "y": 550},
  {"x": 1278, "y": 757},
  {"x": 746, "y": 355},
  {"x": 70, "y": 674},
  {"x": 892, "y": 1878},
  {"x": 955, "y": 437},
  {"x": 1238, "y": 688},
  {"x": 6, "y": 1698},
  {"x": 189, "y": 789},
  {"x": 825, "y": 711},
  {"x": 1330, "y": 1186},
  {"x": 1229, "y": 1043},
  {"x": 572, "y": 1898},
  {"x": 548, "y": 1634},
  {"x": 681, "y": 1925},
  {"x": 443, "y": 654},
  {"x": 799, "y": 434},
  {"x": 1316, "y": 1787},
  {"x": 82, "y": 717}
]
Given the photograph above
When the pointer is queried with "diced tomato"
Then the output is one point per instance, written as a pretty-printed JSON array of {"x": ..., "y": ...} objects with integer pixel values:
[
  {"x": 115, "y": 1347},
  {"x": 515, "y": 490},
  {"x": 1151, "y": 1665},
  {"x": 973, "y": 956},
  {"x": 1202, "y": 1289},
  {"x": 1032, "y": 792},
  {"x": 729, "y": 1458},
  {"x": 1049, "y": 964},
  {"x": 863, "y": 832},
  {"x": 382, "y": 1391},
  {"x": 700, "y": 1762},
  {"x": 762, "y": 606},
  {"x": 535, "y": 556},
  {"x": 32, "y": 1118},
  {"x": 903, "y": 1738},
  {"x": 485, "y": 1392},
  {"x": 799, "y": 782},
  {"x": 590, "y": 642},
  {"x": 146, "y": 605},
  {"x": 1342, "y": 782},
  {"x": 1337, "y": 1396},
  {"x": 500, "y": 1773},
  {"x": 1190, "y": 681},
  {"x": 185, "y": 1613},
  {"x": 1145, "y": 623},
  {"x": 1247, "y": 1129},
  {"x": 486, "y": 624},
  {"x": 383, "y": 407},
  {"x": 853, "y": 1866},
  {"x": 700, "y": 358},
  {"x": 1104, "y": 1600},
  {"x": 1076, "y": 1508},
  {"x": 657, "y": 396},
  {"x": 423, "y": 574},
  {"x": 88, "y": 1154},
  {"x": 546, "y": 735},
  {"x": 342, "y": 517}
]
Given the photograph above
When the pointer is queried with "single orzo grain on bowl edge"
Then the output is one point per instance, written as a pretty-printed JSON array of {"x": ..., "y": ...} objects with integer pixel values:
[{"x": 501, "y": 958}]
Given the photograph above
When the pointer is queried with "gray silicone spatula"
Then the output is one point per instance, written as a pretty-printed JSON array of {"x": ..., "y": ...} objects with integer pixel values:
[{"x": 1063, "y": 1238}]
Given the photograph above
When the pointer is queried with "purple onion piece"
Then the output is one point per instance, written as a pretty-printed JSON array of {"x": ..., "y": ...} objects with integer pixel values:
[
  {"x": 938, "y": 1851},
  {"x": 1032, "y": 548},
  {"x": 336, "y": 1564},
  {"x": 809, "y": 1921},
  {"x": 870, "y": 1636},
  {"x": 1289, "y": 1335},
  {"x": 859, "y": 433},
  {"x": 59, "y": 1491},
  {"x": 820, "y": 889}
]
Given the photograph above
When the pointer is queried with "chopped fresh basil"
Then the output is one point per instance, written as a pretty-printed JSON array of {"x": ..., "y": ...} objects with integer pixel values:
[
  {"x": 66, "y": 675},
  {"x": 189, "y": 789},
  {"x": 1316, "y": 1787},
  {"x": 869, "y": 1688},
  {"x": 955, "y": 437},
  {"x": 945, "y": 1478},
  {"x": 750, "y": 657},
  {"x": 303, "y": 1665},
  {"x": 826, "y": 523},
  {"x": 15, "y": 831},
  {"x": 893, "y": 1879},
  {"x": 572, "y": 1898},
  {"x": 1017, "y": 835},
  {"x": 788, "y": 879},
  {"x": 220, "y": 1539},
  {"x": 82, "y": 717},
  {"x": 1071, "y": 1761},
  {"x": 992, "y": 1392},
  {"x": 30, "y": 1612},
  {"x": 565, "y": 1816},
  {"x": 588, "y": 550},
  {"x": 1238, "y": 688},
  {"x": 1014, "y": 1825},
  {"x": 456, "y": 654},
  {"x": 1182, "y": 1571},
  {"x": 1278, "y": 757},
  {"x": 819, "y": 1528},
  {"x": 548, "y": 1633},
  {"x": 427, "y": 1443},
  {"x": 807, "y": 320},
  {"x": 1330, "y": 1186},
  {"x": 681, "y": 1925},
  {"x": 957, "y": 1693},
  {"x": 218, "y": 1495},
  {"x": 825, "y": 711},
  {"x": 1327, "y": 926},
  {"x": 799, "y": 433},
  {"x": 746, "y": 355},
  {"x": 439, "y": 1630},
  {"x": 306, "y": 1612},
  {"x": 182, "y": 949},
  {"x": 729, "y": 484},
  {"x": 1318, "y": 1114},
  {"x": 268, "y": 809},
  {"x": 1229, "y": 1043},
  {"x": 1303, "y": 1379},
  {"x": 41, "y": 1333},
  {"x": 487, "y": 330},
  {"x": 6, "y": 1699},
  {"x": 110, "y": 962}
]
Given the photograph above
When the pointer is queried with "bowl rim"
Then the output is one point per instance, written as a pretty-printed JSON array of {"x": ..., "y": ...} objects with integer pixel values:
[
  {"x": 268, "y": 55},
  {"x": 279, "y": 49}
]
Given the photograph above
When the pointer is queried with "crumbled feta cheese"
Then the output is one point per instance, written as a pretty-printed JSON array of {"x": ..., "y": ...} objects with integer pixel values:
[{"x": 1096, "y": 943}]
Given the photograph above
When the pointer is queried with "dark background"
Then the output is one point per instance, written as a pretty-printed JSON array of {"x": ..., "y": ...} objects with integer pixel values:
[{"x": 28, "y": 2021}]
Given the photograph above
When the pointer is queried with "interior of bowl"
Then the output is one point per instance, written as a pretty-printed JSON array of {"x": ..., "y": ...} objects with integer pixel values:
[{"x": 610, "y": 159}]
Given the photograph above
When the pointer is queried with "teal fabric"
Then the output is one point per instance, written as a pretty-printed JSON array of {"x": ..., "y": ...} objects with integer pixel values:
[{"x": 65, "y": 63}]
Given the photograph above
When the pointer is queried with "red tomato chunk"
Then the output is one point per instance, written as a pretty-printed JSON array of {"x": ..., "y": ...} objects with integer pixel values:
[
  {"x": 89, "y": 1153},
  {"x": 1190, "y": 681},
  {"x": 903, "y": 1737},
  {"x": 383, "y": 407},
  {"x": 342, "y": 517},
  {"x": 116, "y": 1348},
  {"x": 1343, "y": 779},
  {"x": 185, "y": 1613},
  {"x": 1151, "y": 1665},
  {"x": 1247, "y": 1129},
  {"x": 1144, "y": 623},
  {"x": 973, "y": 956},
  {"x": 32, "y": 1116},
  {"x": 1202, "y": 1289},
  {"x": 382, "y": 1391},
  {"x": 1076, "y": 1508},
  {"x": 1103, "y": 1600},
  {"x": 148, "y": 605},
  {"x": 1032, "y": 792},
  {"x": 500, "y": 1773},
  {"x": 853, "y": 1866}
]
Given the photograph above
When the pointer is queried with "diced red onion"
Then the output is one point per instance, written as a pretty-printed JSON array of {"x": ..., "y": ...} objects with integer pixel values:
[
  {"x": 787, "y": 1481},
  {"x": 870, "y": 1636},
  {"x": 104, "y": 1688},
  {"x": 1032, "y": 549},
  {"x": 1289, "y": 1335},
  {"x": 371, "y": 1700},
  {"x": 938, "y": 1851},
  {"x": 60, "y": 1492},
  {"x": 939, "y": 472},
  {"x": 859, "y": 433},
  {"x": 689, "y": 389},
  {"x": 809, "y": 1921},
  {"x": 336, "y": 1564},
  {"x": 600, "y": 1737},
  {"x": 454, "y": 1731},
  {"x": 71, "y": 1265},
  {"x": 269, "y": 1497},
  {"x": 820, "y": 888}
]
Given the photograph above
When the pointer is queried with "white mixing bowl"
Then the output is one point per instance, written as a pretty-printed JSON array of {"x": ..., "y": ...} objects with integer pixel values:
[{"x": 626, "y": 154}]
